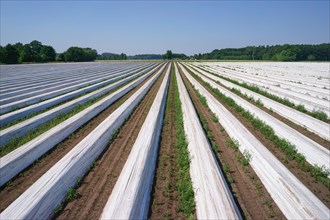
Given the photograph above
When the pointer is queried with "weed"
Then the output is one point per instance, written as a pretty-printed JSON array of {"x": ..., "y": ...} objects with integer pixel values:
[
  {"x": 231, "y": 179},
  {"x": 92, "y": 165},
  {"x": 271, "y": 214},
  {"x": 236, "y": 91},
  {"x": 167, "y": 187},
  {"x": 226, "y": 168},
  {"x": 267, "y": 203},
  {"x": 247, "y": 157},
  {"x": 320, "y": 115},
  {"x": 301, "y": 108},
  {"x": 214, "y": 117},
  {"x": 71, "y": 194},
  {"x": 58, "y": 209},
  {"x": 201, "y": 97},
  {"x": 233, "y": 143},
  {"x": 259, "y": 102},
  {"x": 184, "y": 185},
  {"x": 166, "y": 214}
]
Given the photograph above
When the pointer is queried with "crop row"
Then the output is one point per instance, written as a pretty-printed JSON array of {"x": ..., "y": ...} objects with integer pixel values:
[
  {"x": 204, "y": 189},
  {"x": 277, "y": 179},
  {"x": 313, "y": 101}
]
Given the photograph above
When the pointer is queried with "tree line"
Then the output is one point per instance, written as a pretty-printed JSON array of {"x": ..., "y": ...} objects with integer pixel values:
[
  {"x": 78, "y": 54},
  {"x": 169, "y": 55},
  {"x": 31, "y": 52},
  {"x": 146, "y": 57},
  {"x": 286, "y": 52},
  {"x": 112, "y": 56},
  {"x": 122, "y": 56},
  {"x": 36, "y": 52}
]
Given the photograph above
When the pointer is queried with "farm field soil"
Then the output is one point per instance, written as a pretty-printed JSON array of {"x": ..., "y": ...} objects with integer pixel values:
[
  {"x": 298, "y": 128},
  {"x": 164, "y": 198},
  {"x": 316, "y": 187},
  {"x": 254, "y": 200},
  {"x": 97, "y": 185},
  {"x": 13, "y": 189}
]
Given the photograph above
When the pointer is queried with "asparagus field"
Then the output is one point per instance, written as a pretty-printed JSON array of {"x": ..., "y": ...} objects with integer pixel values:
[{"x": 165, "y": 140}]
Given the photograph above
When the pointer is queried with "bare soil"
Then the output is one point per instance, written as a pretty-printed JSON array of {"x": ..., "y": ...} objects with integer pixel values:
[
  {"x": 252, "y": 197},
  {"x": 97, "y": 185},
  {"x": 305, "y": 177},
  {"x": 14, "y": 188},
  {"x": 164, "y": 197}
]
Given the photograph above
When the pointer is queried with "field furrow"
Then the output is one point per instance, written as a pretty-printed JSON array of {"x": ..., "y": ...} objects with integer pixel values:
[
  {"x": 165, "y": 140},
  {"x": 50, "y": 189},
  {"x": 278, "y": 180},
  {"x": 213, "y": 197}
]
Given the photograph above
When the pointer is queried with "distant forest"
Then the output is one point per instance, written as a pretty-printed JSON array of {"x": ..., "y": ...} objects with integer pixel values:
[
  {"x": 146, "y": 57},
  {"x": 122, "y": 56},
  {"x": 303, "y": 52},
  {"x": 31, "y": 52},
  {"x": 112, "y": 56},
  {"x": 36, "y": 52}
]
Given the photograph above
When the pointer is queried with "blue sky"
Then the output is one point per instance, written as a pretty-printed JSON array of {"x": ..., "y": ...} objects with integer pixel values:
[{"x": 189, "y": 27}]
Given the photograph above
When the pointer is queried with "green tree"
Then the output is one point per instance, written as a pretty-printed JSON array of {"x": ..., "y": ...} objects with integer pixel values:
[
  {"x": 36, "y": 47},
  {"x": 26, "y": 54},
  {"x": 60, "y": 57},
  {"x": 74, "y": 54},
  {"x": 287, "y": 55},
  {"x": 311, "y": 57},
  {"x": 123, "y": 56},
  {"x": 10, "y": 54},
  {"x": 2, "y": 54},
  {"x": 47, "y": 53},
  {"x": 77, "y": 54},
  {"x": 18, "y": 46},
  {"x": 285, "y": 52},
  {"x": 168, "y": 55},
  {"x": 89, "y": 54}
]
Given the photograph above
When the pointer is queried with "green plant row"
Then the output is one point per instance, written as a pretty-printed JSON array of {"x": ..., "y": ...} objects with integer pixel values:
[
  {"x": 71, "y": 193},
  {"x": 258, "y": 102},
  {"x": 3, "y": 127},
  {"x": 45, "y": 99},
  {"x": 61, "y": 103},
  {"x": 184, "y": 185},
  {"x": 319, "y": 173},
  {"x": 316, "y": 114},
  {"x": 225, "y": 167},
  {"x": 244, "y": 158},
  {"x": 17, "y": 142}
]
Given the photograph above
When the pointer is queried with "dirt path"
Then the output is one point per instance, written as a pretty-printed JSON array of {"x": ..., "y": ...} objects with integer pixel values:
[
  {"x": 14, "y": 188},
  {"x": 254, "y": 200},
  {"x": 164, "y": 197},
  {"x": 97, "y": 185},
  {"x": 305, "y": 177}
]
